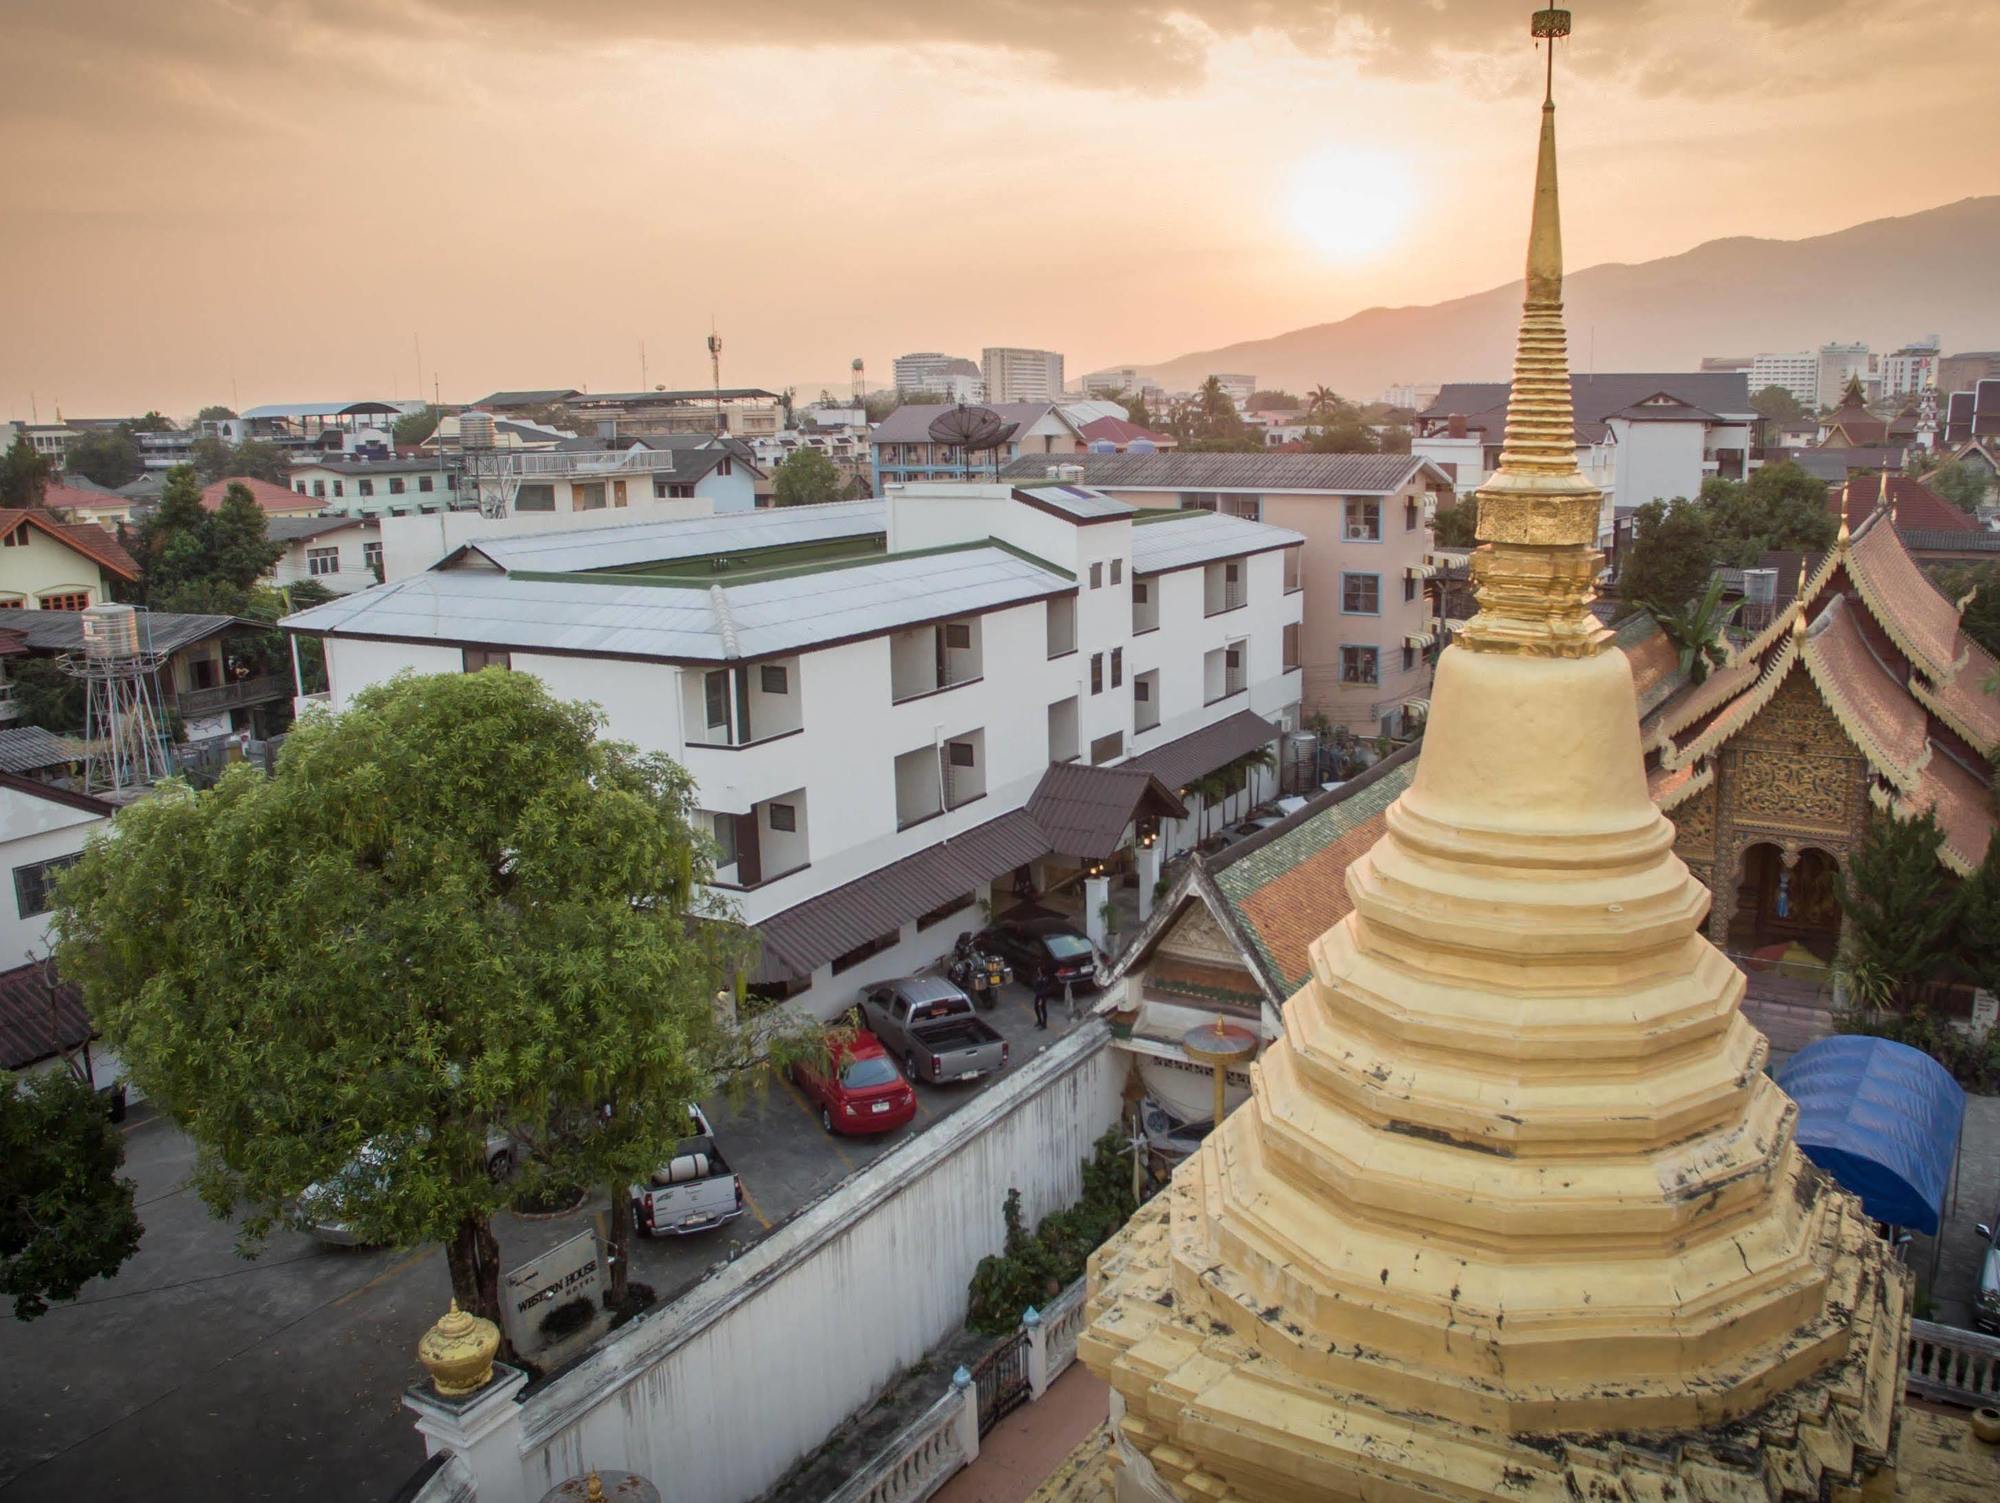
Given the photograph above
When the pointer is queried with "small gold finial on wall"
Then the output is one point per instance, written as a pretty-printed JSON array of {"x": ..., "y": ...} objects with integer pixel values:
[{"x": 458, "y": 1352}]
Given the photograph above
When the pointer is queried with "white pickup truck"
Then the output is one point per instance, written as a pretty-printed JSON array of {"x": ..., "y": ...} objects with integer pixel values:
[{"x": 692, "y": 1192}]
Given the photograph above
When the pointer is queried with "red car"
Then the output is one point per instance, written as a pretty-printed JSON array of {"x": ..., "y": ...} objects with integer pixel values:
[{"x": 866, "y": 1093}]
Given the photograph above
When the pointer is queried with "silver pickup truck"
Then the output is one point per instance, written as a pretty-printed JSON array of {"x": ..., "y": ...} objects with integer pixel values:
[
  {"x": 693, "y": 1191},
  {"x": 930, "y": 1026}
]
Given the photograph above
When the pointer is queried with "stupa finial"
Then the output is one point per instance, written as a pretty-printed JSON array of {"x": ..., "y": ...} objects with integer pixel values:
[{"x": 1538, "y": 515}]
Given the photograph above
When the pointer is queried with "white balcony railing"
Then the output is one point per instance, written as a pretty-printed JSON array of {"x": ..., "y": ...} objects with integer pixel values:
[
  {"x": 1950, "y": 1366},
  {"x": 590, "y": 463}
]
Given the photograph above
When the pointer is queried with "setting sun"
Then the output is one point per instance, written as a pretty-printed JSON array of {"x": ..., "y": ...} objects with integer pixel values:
[{"x": 1352, "y": 202}]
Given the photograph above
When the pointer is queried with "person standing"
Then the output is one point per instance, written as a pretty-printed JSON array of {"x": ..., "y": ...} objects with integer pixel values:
[{"x": 1045, "y": 987}]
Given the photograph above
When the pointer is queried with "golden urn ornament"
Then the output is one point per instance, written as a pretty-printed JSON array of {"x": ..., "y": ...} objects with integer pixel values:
[{"x": 458, "y": 1352}]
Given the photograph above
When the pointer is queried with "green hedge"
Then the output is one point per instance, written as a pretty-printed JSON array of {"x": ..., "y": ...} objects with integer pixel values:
[{"x": 1032, "y": 1269}]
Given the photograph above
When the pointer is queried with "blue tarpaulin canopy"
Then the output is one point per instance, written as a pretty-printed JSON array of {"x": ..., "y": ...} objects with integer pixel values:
[{"x": 1882, "y": 1119}]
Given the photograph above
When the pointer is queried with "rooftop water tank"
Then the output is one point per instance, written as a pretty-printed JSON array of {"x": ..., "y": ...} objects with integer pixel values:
[{"x": 110, "y": 631}]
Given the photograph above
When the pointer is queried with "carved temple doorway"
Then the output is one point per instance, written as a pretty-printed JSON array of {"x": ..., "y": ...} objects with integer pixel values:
[{"x": 1787, "y": 902}]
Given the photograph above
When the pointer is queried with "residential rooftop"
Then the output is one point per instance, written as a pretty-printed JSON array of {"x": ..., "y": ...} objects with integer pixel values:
[{"x": 1350, "y": 474}]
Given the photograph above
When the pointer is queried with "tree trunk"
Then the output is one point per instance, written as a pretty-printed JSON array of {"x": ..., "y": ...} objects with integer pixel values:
[
  {"x": 617, "y": 1245},
  {"x": 473, "y": 1255}
]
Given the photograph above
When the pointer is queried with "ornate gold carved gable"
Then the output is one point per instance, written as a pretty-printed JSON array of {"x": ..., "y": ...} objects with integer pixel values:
[
  {"x": 1794, "y": 767},
  {"x": 1797, "y": 720},
  {"x": 1694, "y": 827}
]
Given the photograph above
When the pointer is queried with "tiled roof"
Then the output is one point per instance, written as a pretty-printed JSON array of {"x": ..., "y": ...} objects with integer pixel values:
[
  {"x": 94, "y": 542},
  {"x": 1965, "y": 703},
  {"x": 31, "y": 1028},
  {"x": 59, "y": 497},
  {"x": 1198, "y": 753},
  {"x": 291, "y": 529},
  {"x": 1083, "y": 810},
  {"x": 1353, "y": 474},
  {"x": 1963, "y": 804},
  {"x": 1182, "y": 539},
  {"x": 273, "y": 498},
  {"x": 1118, "y": 430},
  {"x": 1870, "y": 701},
  {"x": 1901, "y": 596},
  {"x": 1289, "y": 890},
  {"x": 29, "y": 748},
  {"x": 1655, "y": 661},
  {"x": 1834, "y": 465},
  {"x": 62, "y": 631},
  {"x": 1594, "y": 398},
  {"x": 1916, "y": 505}
]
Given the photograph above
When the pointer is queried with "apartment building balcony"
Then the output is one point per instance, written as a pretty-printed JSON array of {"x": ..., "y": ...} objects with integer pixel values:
[
  {"x": 931, "y": 659},
  {"x": 261, "y": 688},
  {"x": 1225, "y": 672},
  {"x": 763, "y": 846},
  {"x": 1223, "y": 587},
  {"x": 932, "y": 780},
  {"x": 728, "y": 709}
]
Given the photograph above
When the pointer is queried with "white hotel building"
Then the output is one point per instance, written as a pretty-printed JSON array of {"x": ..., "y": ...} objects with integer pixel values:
[{"x": 893, "y": 709}]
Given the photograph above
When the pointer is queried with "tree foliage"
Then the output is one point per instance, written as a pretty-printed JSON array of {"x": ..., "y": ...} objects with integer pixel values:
[
  {"x": 1901, "y": 912},
  {"x": 65, "y": 1215},
  {"x": 452, "y": 910},
  {"x": 1779, "y": 507},
  {"x": 192, "y": 559},
  {"x": 1963, "y": 485},
  {"x": 1457, "y": 525},
  {"x": 258, "y": 460},
  {"x": 215, "y": 412},
  {"x": 212, "y": 458},
  {"x": 109, "y": 456},
  {"x": 46, "y": 696},
  {"x": 1272, "y": 401},
  {"x": 1032, "y": 1268},
  {"x": 415, "y": 427},
  {"x": 24, "y": 474},
  {"x": 1670, "y": 557},
  {"x": 1696, "y": 629},
  {"x": 1210, "y": 420},
  {"x": 1981, "y": 583},
  {"x": 806, "y": 477},
  {"x": 1774, "y": 404}
]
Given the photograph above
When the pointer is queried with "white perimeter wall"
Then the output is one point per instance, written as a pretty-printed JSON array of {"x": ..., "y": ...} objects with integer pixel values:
[{"x": 723, "y": 1390}]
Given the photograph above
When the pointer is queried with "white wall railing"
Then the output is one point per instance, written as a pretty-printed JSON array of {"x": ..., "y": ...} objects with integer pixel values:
[
  {"x": 590, "y": 463},
  {"x": 923, "y": 1457},
  {"x": 1952, "y": 1366}
]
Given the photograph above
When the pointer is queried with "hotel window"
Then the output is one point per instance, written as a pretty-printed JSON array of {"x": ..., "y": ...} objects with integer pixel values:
[
  {"x": 1097, "y": 673},
  {"x": 477, "y": 658},
  {"x": 395, "y": 485},
  {"x": 852, "y": 958},
  {"x": 18, "y": 538},
  {"x": 771, "y": 678},
  {"x": 1409, "y": 589},
  {"x": 35, "y": 884},
  {"x": 1294, "y": 581},
  {"x": 1364, "y": 522},
  {"x": 1409, "y": 657},
  {"x": 76, "y": 601},
  {"x": 1117, "y": 666},
  {"x": 725, "y": 840},
  {"x": 783, "y": 817},
  {"x": 424, "y": 484},
  {"x": 1107, "y": 748},
  {"x": 958, "y": 636},
  {"x": 1117, "y": 571},
  {"x": 1412, "y": 514},
  {"x": 1291, "y": 646},
  {"x": 666, "y": 491},
  {"x": 723, "y": 468},
  {"x": 371, "y": 557},
  {"x": 319, "y": 489},
  {"x": 536, "y": 496},
  {"x": 340, "y": 487},
  {"x": 1360, "y": 665},
  {"x": 367, "y": 487},
  {"x": 715, "y": 693},
  {"x": 322, "y": 561},
  {"x": 1361, "y": 594},
  {"x": 1096, "y": 576}
]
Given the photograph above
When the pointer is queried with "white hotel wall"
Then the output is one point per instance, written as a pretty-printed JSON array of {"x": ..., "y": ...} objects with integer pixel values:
[{"x": 723, "y": 1390}]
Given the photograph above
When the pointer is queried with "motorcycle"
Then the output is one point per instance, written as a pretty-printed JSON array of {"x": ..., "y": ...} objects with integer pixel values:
[{"x": 976, "y": 973}]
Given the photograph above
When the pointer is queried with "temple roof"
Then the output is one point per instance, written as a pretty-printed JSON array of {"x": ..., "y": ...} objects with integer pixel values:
[
  {"x": 1917, "y": 617},
  {"x": 1872, "y": 704},
  {"x": 1963, "y": 803}
]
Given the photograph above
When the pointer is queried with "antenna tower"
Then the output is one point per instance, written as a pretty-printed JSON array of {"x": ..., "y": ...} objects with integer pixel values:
[
  {"x": 715, "y": 375},
  {"x": 126, "y": 749}
]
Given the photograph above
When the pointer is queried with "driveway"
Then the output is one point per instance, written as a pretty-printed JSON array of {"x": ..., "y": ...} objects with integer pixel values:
[
  {"x": 1961, "y": 1247},
  {"x": 197, "y": 1374}
]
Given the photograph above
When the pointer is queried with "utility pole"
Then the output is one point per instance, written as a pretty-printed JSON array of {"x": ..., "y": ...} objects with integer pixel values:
[{"x": 715, "y": 373}]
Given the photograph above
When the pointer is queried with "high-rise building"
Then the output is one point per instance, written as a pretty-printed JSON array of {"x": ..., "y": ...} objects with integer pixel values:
[
  {"x": 1796, "y": 372},
  {"x": 1114, "y": 379},
  {"x": 1906, "y": 372},
  {"x": 952, "y": 378},
  {"x": 1839, "y": 364},
  {"x": 1015, "y": 375},
  {"x": 1238, "y": 386}
]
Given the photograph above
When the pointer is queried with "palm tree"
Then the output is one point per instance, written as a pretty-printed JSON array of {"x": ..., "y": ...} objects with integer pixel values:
[
  {"x": 1322, "y": 402},
  {"x": 1697, "y": 628}
]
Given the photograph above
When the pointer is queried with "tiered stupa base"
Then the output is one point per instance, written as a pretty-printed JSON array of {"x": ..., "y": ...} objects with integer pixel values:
[{"x": 1212, "y": 1400}]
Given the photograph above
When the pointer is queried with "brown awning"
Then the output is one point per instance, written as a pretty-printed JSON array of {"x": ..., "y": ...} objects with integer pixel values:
[
  {"x": 1198, "y": 753},
  {"x": 800, "y": 940},
  {"x": 1084, "y": 811}
]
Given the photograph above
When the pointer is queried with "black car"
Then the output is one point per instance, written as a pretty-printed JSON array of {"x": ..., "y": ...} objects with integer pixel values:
[{"x": 1040, "y": 947}]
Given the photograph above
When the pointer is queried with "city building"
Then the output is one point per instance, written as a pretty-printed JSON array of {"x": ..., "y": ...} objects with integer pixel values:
[
  {"x": 339, "y": 553},
  {"x": 902, "y": 449},
  {"x": 743, "y": 411},
  {"x": 1514, "y": 1211},
  {"x": 1836, "y": 365},
  {"x": 949, "y": 378},
  {"x": 338, "y": 425},
  {"x": 81, "y": 500},
  {"x": 372, "y": 487},
  {"x": 1905, "y": 373},
  {"x": 1639, "y": 436},
  {"x": 892, "y": 709},
  {"x": 1795, "y": 371},
  {"x": 1116, "y": 380},
  {"x": 1237, "y": 387},
  {"x": 49, "y": 565},
  {"x": 1411, "y": 396},
  {"x": 1016, "y": 375},
  {"x": 1365, "y": 647},
  {"x": 276, "y": 500}
]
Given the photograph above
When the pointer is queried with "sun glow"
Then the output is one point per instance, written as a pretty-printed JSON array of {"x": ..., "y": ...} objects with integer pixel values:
[{"x": 1352, "y": 202}]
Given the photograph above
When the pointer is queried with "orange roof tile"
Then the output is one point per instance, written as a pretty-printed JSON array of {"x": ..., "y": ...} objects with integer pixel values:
[
  {"x": 1872, "y": 704},
  {"x": 275, "y": 499},
  {"x": 1918, "y": 619},
  {"x": 87, "y": 538},
  {"x": 1963, "y": 804}
]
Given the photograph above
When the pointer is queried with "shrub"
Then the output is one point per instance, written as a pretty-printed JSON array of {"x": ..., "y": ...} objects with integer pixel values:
[
  {"x": 567, "y": 1319},
  {"x": 1033, "y": 1268}
]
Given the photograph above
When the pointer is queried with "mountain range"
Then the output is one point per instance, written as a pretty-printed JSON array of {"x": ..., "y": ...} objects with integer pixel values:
[{"x": 1885, "y": 282}]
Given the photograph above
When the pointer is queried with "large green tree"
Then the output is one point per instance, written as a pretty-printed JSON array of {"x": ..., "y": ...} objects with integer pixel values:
[
  {"x": 109, "y": 456},
  {"x": 215, "y": 413},
  {"x": 806, "y": 477},
  {"x": 24, "y": 474},
  {"x": 212, "y": 458},
  {"x": 415, "y": 427},
  {"x": 1779, "y": 507},
  {"x": 452, "y": 911},
  {"x": 1901, "y": 913},
  {"x": 261, "y": 461},
  {"x": 1670, "y": 558},
  {"x": 171, "y": 542},
  {"x": 1776, "y": 405},
  {"x": 1457, "y": 525},
  {"x": 1963, "y": 485},
  {"x": 240, "y": 550},
  {"x": 65, "y": 1215},
  {"x": 196, "y": 560}
]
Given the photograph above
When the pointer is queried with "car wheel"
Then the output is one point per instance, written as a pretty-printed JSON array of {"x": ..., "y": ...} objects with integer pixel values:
[
  {"x": 500, "y": 1167},
  {"x": 826, "y": 1119}
]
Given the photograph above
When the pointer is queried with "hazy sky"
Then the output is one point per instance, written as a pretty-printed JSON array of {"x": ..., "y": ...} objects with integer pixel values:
[{"x": 274, "y": 199}]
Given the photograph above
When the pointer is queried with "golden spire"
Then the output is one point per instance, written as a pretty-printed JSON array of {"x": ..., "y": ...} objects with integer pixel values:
[
  {"x": 1845, "y": 537},
  {"x": 1538, "y": 515},
  {"x": 1799, "y": 603}
]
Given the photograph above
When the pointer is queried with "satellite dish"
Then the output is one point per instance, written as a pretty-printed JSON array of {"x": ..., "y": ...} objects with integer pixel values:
[{"x": 971, "y": 428}]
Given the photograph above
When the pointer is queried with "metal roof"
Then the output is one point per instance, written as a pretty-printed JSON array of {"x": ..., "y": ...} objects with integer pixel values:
[
  {"x": 1354, "y": 474},
  {"x": 159, "y": 631},
  {"x": 1083, "y": 810},
  {"x": 1195, "y": 536},
  {"x": 29, "y": 748},
  {"x": 911, "y": 423},
  {"x": 1596, "y": 397},
  {"x": 429, "y": 465},
  {"x": 321, "y": 409},
  {"x": 1076, "y": 502},
  {"x": 602, "y": 617},
  {"x": 693, "y": 394},
  {"x": 586, "y": 551},
  {"x": 800, "y": 940},
  {"x": 1199, "y": 752},
  {"x": 28, "y": 1006},
  {"x": 291, "y": 529}
]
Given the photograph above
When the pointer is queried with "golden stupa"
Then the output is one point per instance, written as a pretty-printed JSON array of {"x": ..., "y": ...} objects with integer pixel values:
[{"x": 1513, "y": 1211}]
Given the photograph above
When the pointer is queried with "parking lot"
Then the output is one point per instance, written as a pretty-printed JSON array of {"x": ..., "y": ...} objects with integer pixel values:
[{"x": 197, "y": 1374}]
